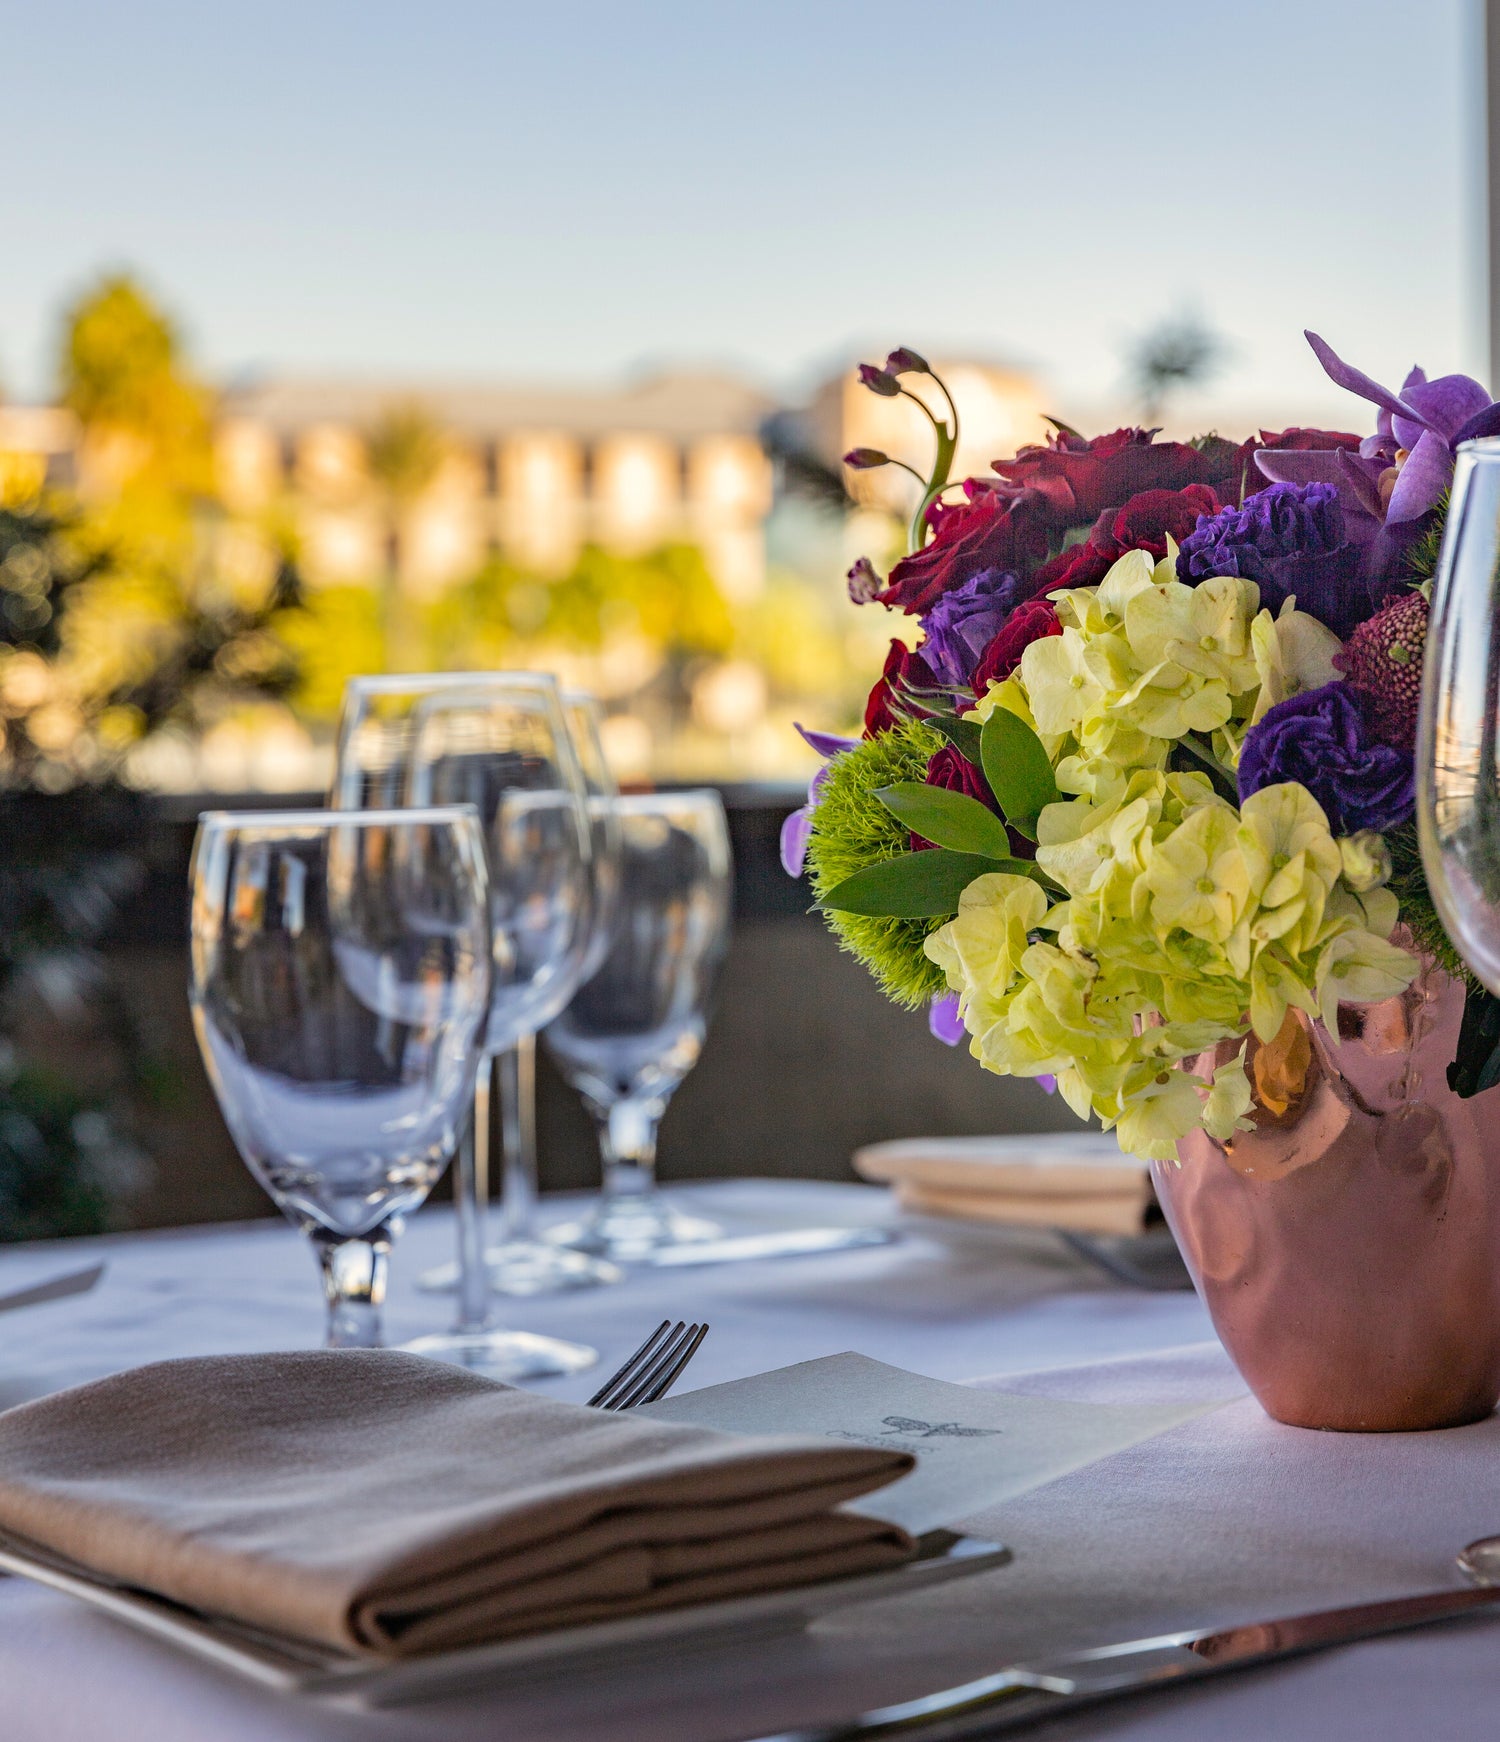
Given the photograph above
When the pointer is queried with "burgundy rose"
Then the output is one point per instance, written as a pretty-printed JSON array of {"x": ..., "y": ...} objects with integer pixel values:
[
  {"x": 1149, "y": 519},
  {"x": 1302, "y": 441},
  {"x": 1145, "y": 522},
  {"x": 1080, "y": 565},
  {"x": 1033, "y": 621},
  {"x": 902, "y": 665},
  {"x": 983, "y": 532},
  {"x": 1080, "y": 479}
]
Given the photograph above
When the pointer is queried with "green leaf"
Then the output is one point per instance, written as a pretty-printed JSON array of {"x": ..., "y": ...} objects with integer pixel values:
[
  {"x": 916, "y": 885},
  {"x": 947, "y": 819},
  {"x": 963, "y": 735},
  {"x": 1016, "y": 766}
]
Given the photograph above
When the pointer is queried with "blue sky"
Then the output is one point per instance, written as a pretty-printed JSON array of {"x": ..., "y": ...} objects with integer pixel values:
[{"x": 485, "y": 188}]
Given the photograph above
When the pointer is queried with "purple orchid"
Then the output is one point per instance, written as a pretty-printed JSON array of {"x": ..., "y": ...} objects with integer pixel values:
[
  {"x": 1426, "y": 421},
  {"x": 943, "y": 1020},
  {"x": 796, "y": 831}
]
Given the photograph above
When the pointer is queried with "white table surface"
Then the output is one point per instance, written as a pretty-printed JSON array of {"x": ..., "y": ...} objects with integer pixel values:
[{"x": 1227, "y": 1518}]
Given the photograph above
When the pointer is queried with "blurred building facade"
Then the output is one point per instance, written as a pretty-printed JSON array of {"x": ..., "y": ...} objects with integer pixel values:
[
  {"x": 533, "y": 474},
  {"x": 395, "y": 500},
  {"x": 530, "y": 475}
]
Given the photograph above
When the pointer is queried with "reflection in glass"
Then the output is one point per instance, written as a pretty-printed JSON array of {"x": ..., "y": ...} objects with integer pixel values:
[{"x": 1458, "y": 779}]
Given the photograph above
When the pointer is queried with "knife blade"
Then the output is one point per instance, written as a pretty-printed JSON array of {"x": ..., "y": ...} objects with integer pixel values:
[
  {"x": 1027, "y": 1693},
  {"x": 58, "y": 1288}
]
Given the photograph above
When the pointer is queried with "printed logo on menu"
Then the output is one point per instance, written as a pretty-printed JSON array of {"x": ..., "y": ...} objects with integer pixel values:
[{"x": 909, "y": 1434}]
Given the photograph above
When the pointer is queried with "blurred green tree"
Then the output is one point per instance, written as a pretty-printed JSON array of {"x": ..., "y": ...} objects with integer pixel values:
[
  {"x": 119, "y": 616},
  {"x": 404, "y": 452}
]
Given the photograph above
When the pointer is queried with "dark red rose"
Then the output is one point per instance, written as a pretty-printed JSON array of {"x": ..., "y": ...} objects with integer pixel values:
[
  {"x": 1033, "y": 621},
  {"x": 953, "y": 771},
  {"x": 1306, "y": 440},
  {"x": 985, "y": 531},
  {"x": 1080, "y": 565},
  {"x": 1148, "y": 520},
  {"x": 1079, "y": 479},
  {"x": 901, "y": 665},
  {"x": 1145, "y": 522}
]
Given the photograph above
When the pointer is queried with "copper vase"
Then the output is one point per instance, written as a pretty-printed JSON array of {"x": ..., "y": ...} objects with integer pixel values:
[{"x": 1348, "y": 1249}]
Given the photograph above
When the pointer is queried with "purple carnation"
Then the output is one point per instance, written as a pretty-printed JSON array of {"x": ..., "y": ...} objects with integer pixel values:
[
  {"x": 1322, "y": 739},
  {"x": 962, "y": 624},
  {"x": 1289, "y": 539}
]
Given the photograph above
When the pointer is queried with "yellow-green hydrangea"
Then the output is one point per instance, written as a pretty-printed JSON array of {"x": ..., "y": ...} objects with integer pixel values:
[{"x": 1184, "y": 920}]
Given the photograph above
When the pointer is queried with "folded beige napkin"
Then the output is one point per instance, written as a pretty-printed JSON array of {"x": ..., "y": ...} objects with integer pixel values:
[
  {"x": 374, "y": 1500},
  {"x": 1052, "y": 1180}
]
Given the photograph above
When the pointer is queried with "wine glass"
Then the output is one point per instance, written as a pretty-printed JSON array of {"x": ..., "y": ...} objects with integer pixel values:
[
  {"x": 340, "y": 979},
  {"x": 636, "y": 1028},
  {"x": 523, "y": 1264},
  {"x": 499, "y": 741},
  {"x": 1458, "y": 770}
]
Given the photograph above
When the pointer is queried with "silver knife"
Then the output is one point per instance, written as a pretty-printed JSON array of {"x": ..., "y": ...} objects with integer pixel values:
[
  {"x": 1027, "y": 1693},
  {"x": 59, "y": 1288}
]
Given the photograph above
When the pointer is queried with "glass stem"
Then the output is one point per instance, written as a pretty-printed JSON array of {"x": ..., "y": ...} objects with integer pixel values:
[
  {"x": 518, "y": 1140},
  {"x": 471, "y": 1198},
  {"x": 627, "y": 1145},
  {"x": 354, "y": 1274}
]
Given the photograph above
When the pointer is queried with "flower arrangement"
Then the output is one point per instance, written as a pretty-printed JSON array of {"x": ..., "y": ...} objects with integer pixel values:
[{"x": 1146, "y": 782}]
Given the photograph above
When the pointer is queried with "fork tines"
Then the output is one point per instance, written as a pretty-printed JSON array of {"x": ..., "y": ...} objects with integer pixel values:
[{"x": 653, "y": 1369}]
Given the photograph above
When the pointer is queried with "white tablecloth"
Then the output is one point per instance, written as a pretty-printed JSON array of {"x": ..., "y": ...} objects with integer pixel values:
[{"x": 1227, "y": 1518}]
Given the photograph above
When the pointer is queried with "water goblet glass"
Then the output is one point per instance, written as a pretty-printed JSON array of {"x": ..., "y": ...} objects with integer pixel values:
[
  {"x": 340, "y": 979},
  {"x": 636, "y": 1028},
  {"x": 1458, "y": 750},
  {"x": 522, "y": 1264},
  {"x": 499, "y": 741}
]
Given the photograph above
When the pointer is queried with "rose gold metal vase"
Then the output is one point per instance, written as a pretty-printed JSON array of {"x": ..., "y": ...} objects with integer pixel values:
[{"x": 1348, "y": 1249}]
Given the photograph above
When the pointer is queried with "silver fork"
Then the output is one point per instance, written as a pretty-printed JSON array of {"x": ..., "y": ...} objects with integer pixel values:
[{"x": 653, "y": 1369}]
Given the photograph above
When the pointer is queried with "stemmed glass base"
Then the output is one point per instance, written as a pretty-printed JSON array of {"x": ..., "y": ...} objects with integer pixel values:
[
  {"x": 631, "y": 1230},
  {"x": 521, "y": 1264},
  {"x": 511, "y": 1355},
  {"x": 474, "y": 1342},
  {"x": 631, "y": 1222},
  {"x": 524, "y": 1267},
  {"x": 527, "y": 1267}
]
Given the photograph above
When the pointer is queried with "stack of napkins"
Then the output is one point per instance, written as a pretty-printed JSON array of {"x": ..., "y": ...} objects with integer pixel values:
[
  {"x": 1051, "y": 1180},
  {"x": 374, "y": 1501}
]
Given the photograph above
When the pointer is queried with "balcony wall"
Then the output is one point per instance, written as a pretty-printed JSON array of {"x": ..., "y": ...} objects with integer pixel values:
[{"x": 805, "y": 1060}]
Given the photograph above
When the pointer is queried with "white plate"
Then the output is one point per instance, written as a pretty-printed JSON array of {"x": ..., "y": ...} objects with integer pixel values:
[{"x": 292, "y": 1667}]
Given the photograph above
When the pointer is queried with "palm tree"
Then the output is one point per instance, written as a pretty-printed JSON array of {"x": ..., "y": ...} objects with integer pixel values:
[
  {"x": 405, "y": 448},
  {"x": 1181, "y": 352}
]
